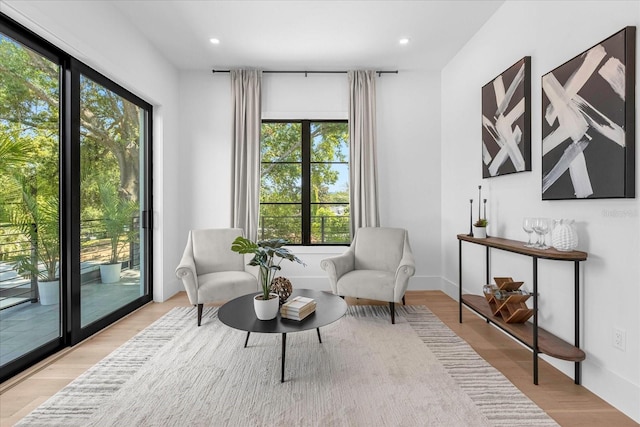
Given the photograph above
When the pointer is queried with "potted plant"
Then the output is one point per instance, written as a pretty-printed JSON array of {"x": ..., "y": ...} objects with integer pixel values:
[
  {"x": 117, "y": 214},
  {"x": 267, "y": 255},
  {"x": 37, "y": 218},
  {"x": 480, "y": 228}
]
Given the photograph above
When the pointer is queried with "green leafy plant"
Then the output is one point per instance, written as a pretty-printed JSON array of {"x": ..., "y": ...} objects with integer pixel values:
[
  {"x": 268, "y": 254},
  {"x": 481, "y": 223},
  {"x": 117, "y": 213},
  {"x": 37, "y": 218}
]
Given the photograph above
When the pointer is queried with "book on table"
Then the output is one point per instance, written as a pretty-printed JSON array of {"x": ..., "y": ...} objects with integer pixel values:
[
  {"x": 298, "y": 303},
  {"x": 298, "y": 308},
  {"x": 298, "y": 315}
]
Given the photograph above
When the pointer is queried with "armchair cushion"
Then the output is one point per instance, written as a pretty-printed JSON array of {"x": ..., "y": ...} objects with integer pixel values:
[
  {"x": 225, "y": 285},
  {"x": 358, "y": 284}
]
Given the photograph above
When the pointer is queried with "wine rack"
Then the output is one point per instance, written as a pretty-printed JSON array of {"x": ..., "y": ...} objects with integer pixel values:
[{"x": 514, "y": 308}]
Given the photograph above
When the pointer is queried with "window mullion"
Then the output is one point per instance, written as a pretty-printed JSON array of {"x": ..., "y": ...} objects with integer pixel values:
[{"x": 306, "y": 182}]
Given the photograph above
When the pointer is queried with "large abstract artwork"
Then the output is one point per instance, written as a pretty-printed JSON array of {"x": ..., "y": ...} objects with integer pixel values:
[
  {"x": 506, "y": 121},
  {"x": 588, "y": 124}
]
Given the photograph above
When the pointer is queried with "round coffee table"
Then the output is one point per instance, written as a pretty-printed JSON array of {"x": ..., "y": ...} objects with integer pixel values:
[{"x": 239, "y": 314}]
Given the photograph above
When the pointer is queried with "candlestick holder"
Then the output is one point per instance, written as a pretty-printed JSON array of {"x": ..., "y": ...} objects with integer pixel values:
[{"x": 470, "y": 218}]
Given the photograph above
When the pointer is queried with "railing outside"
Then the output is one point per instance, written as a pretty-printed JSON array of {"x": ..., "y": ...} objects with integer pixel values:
[
  {"x": 12, "y": 245},
  {"x": 324, "y": 229},
  {"x": 95, "y": 246}
]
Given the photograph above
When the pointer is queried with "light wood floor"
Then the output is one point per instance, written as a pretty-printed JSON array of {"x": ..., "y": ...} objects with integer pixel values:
[{"x": 567, "y": 403}]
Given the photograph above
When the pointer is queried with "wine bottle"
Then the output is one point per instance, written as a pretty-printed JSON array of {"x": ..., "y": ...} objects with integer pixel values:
[
  {"x": 502, "y": 295},
  {"x": 489, "y": 289}
]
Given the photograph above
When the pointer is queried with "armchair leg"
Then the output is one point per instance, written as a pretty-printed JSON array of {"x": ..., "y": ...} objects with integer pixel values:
[
  {"x": 200, "y": 306},
  {"x": 403, "y": 303},
  {"x": 392, "y": 309}
]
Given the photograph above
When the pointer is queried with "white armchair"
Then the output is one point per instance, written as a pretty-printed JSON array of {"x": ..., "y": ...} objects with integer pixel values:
[
  {"x": 211, "y": 271},
  {"x": 377, "y": 266}
]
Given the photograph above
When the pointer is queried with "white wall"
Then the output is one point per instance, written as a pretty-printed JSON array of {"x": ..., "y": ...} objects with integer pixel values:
[
  {"x": 408, "y": 153},
  {"x": 609, "y": 230},
  {"x": 119, "y": 52}
]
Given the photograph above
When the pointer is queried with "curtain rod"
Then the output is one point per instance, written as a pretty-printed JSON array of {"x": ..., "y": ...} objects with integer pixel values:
[{"x": 310, "y": 72}]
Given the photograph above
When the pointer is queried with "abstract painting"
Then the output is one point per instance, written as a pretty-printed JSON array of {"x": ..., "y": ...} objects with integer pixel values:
[
  {"x": 506, "y": 121},
  {"x": 588, "y": 124}
]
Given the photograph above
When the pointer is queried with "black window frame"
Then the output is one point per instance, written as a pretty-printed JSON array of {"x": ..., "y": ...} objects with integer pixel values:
[{"x": 306, "y": 165}]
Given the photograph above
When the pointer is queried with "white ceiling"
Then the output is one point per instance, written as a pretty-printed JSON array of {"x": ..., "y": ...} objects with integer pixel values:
[{"x": 308, "y": 35}]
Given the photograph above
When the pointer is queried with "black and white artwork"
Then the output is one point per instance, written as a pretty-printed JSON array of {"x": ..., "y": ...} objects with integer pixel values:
[
  {"x": 588, "y": 135},
  {"x": 506, "y": 121}
]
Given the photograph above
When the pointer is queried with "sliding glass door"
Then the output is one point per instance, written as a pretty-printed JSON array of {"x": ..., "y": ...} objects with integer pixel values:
[
  {"x": 30, "y": 316},
  {"x": 75, "y": 200},
  {"x": 112, "y": 135}
]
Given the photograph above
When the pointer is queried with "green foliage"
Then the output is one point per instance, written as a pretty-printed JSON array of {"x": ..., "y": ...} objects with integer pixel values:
[
  {"x": 117, "y": 216},
  {"x": 481, "y": 223},
  {"x": 29, "y": 92},
  {"x": 37, "y": 218},
  {"x": 267, "y": 255}
]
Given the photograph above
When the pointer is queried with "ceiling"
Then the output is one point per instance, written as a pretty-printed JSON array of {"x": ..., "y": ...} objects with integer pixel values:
[{"x": 308, "y": 35}]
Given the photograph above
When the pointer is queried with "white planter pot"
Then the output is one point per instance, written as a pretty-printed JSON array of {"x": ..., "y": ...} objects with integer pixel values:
[
  {"x": 266, "y": 310},
  {"x": 110, "y": 273},
  {"x": 49, "y": 292},
  {"x": 479, "y": 232}
]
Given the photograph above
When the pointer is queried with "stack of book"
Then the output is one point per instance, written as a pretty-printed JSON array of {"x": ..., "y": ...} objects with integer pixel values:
[{"x": 298, "y": 308}]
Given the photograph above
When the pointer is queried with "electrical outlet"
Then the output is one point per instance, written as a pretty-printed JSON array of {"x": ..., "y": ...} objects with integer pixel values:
[{"x": 619, "y": 339}]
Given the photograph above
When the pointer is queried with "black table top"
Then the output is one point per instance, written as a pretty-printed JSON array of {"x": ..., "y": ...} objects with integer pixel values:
[{"x": 239, "y": 314}]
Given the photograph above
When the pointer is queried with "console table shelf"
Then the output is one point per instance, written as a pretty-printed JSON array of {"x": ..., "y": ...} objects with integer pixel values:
[
  {"x": 534, "y": 337},
  {"x": 548, "y": 343}
]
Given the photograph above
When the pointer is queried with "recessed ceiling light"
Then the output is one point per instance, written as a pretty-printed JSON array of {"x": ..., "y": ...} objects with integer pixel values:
[
  {"x": 403, "y": 41},
  {"x": 214, "y": 41}
]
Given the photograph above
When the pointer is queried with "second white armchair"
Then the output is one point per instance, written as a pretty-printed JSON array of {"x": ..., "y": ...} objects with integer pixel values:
[{"x": 377, "y": 266}]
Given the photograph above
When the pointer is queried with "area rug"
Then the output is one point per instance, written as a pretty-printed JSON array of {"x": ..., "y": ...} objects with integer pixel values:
[{"x": 366, "y": 372}]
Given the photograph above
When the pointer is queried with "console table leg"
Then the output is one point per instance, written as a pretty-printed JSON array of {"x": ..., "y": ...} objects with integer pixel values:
[
  {"x": 576, "y": 311},
  {"x": 535, "y": 320},
  {"x": 319, "y": 337},
  {"x": 284, "y": 346},
  {"x": 487, "y": 272},
  {"x": 459, "y": 281},
  {"x": 246, "y": 341},
  {"x": 487, "y": 269}
]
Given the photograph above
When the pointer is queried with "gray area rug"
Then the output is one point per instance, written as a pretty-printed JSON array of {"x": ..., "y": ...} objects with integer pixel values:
[{"x": 366, "y": 372}]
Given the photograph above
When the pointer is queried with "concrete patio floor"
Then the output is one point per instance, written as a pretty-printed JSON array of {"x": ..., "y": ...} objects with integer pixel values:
[{"x": 27, "y": 326}]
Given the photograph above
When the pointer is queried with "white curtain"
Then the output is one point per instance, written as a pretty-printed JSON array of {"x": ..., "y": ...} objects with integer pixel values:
[
  {"x": 247, "y": 111},
  {"x": 362, "y": 148}
]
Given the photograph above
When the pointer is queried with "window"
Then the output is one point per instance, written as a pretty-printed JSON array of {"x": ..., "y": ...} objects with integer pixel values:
[{"x": 304, "y": 188}]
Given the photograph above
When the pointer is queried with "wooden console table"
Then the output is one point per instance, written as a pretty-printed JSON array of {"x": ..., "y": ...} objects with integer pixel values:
[{"x": 537, "y": 339}]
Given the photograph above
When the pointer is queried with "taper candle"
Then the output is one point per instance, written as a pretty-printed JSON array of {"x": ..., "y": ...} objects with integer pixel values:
[{"x": 479, "y": 198}]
